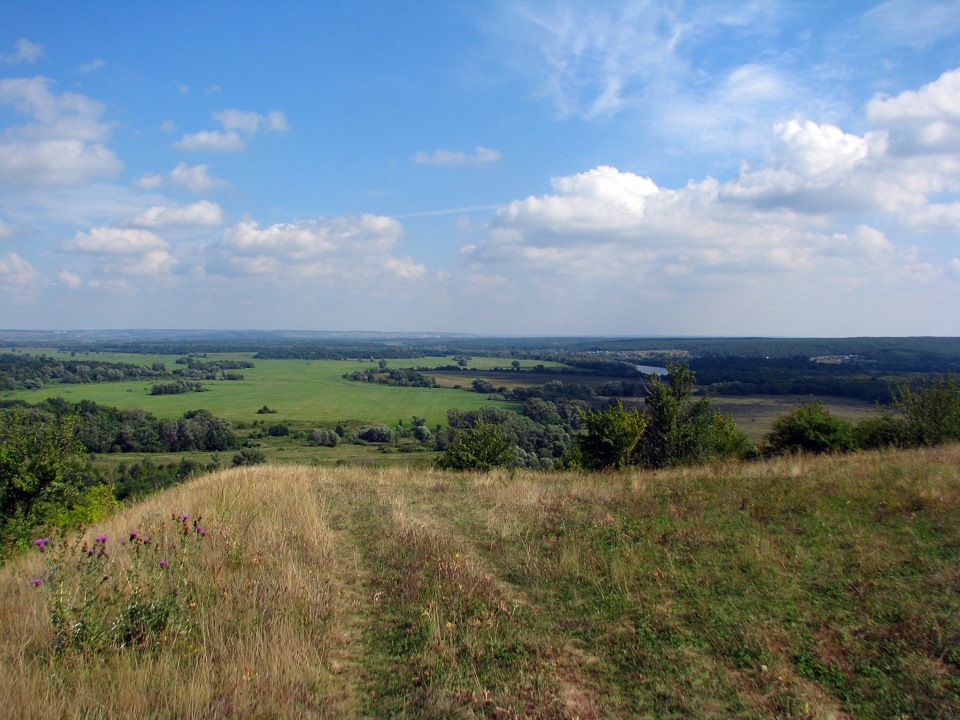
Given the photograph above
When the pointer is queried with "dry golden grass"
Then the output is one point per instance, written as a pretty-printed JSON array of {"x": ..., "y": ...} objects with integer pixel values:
[{"x": 799, "y": 587}]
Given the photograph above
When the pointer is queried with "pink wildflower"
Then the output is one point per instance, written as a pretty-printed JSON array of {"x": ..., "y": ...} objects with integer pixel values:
[
  {"x": 100, "y": 538},
  {"x": 36, "y": 582},
  {"x": 163, "y": 563}
]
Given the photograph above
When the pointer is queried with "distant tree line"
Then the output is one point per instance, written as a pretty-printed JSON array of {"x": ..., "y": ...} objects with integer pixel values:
[
  {"x": 18, "y": 370},
  {"x": 400, "y": 377},
  {"x": 103, "y": 429},
  {"x": 793, "y": 376},
  {"x": 32, "y": 372},
  {"x": 178, "y": 387}
]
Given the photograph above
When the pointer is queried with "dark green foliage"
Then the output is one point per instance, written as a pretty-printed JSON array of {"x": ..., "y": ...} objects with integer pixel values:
[
  {"x": 278, "y": 430},
  {"x": 324, "y": 438},
  {"x": 535, "y": 444},
  {"x": 610, "y": 438},
  {"x": 931, "y": 409},
  {"x": 376, "y": 434},
  {"x": 249, "y": 456},
  {"x": 41, "y": 471},
  {"x": 144, "y": 478},
  {"x": 179, "y": 387},
  {"x": 422, "y": 433},
  {"x": 482, "y": 386},
  {"x": 882, "y": 430},
  {"x": 681, "y": 430},
  {"x": 810, "y": 427},
  {"x": 481, "y": 447},
  {"x": 35, "y": 371}
]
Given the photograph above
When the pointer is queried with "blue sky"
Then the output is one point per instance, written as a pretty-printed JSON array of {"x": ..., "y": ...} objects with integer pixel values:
[{"x": 616, "y": 168}]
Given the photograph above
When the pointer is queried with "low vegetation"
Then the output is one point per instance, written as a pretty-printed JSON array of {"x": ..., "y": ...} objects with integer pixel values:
[{"x": 800, "y": 586}]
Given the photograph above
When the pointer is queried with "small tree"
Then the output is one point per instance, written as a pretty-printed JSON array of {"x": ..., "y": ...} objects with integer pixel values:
[
  {"x": 931, "y": 409},
  {"x": 249, "y": 456},
  {"x": 610, "y": 438},
  {"x": 481, "y": 447},
  {"x": 41, "y": 467},
  {"x": 678, "y": 427},
  {"x": 809, "y": 427}
]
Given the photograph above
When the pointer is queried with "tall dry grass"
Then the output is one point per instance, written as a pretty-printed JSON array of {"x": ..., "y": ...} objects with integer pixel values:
[
  {"x": 272, "y": 616},
  {"x": 798, "y": 587}
]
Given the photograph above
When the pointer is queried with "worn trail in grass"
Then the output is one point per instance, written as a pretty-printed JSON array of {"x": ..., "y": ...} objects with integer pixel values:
[{"x": 803, "y": 588}]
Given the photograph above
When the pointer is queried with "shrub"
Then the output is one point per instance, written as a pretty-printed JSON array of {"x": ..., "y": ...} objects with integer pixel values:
[
  {"x": 481, "y": 447},
  {"x": 376, "y": 434},
  {"x": 610, "y": 438},
  {"x": 882, "y": 430},
  {"x": 278, "y": 430},
  {"x": 931, "y": 409},
  {"x": 249, "y": 456},
  {"x": 809, "y": 427}
]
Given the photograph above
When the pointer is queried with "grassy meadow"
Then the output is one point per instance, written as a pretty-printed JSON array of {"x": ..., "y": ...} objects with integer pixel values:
[
  {"x": 824, "y": 587},
  {"x": 301, "y": 391}
]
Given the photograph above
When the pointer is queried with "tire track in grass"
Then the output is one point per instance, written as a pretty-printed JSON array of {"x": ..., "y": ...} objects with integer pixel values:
[{"x": 445, "y": 640}]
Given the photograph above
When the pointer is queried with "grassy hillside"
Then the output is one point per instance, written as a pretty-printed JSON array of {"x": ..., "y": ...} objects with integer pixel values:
[{"x": 804, "y": 588}]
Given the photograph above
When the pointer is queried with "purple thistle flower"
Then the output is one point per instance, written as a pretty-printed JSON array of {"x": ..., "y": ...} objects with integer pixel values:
[
  {"x": 41, "y": 543},
  {"x": 133, "y": 534},
  {"x": 163, "y": 563},
  {"x": 100, "y": 538},
  {"x": 36, "y": 582},
  {"x": 201, "y": 530},
  {"x": 184, "y": 517}
]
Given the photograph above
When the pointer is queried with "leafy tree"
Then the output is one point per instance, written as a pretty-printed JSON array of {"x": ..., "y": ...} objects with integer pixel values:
[
  {"x": 482, "y": 386},
  {"x": 481, "y": 447},
  {"x": 679, "y": 428},
  {"x": 610, "y": 439},
  {"x": 325, "y": 438},
  {"x": 41, "y": 468},
  {"x": 931, "y": 409},
  {"x": 810, "y": 427},
  {"x": 422, "y": 433},
  {"x": 376, "y": 434},
  {"x": 278, "y": 430},
  {"x": 882, "y": 430}
]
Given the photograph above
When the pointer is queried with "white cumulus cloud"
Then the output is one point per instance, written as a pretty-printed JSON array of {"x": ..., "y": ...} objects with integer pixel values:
[
  {"x": 14, "y": 270},
  {"x": 239, "y": 126},
  {"x": 199, "y": 214},
  {"x": 347, "y": 249},
  {"x": 924, "y": 120},
  {"x": 195, "y": 178},
  {"x": 115, "y": 241},
  {"x": 64, "y": 142}
]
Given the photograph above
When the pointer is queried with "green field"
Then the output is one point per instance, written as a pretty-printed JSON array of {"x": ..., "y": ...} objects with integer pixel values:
[{"x": 303, "y": 392}]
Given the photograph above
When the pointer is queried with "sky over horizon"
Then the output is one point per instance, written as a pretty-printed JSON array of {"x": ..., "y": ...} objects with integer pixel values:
[{"x": 654, "y": 167}]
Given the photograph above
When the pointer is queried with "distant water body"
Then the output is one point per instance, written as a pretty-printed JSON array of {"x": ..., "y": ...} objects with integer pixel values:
[{"x": 650, "y": 369}]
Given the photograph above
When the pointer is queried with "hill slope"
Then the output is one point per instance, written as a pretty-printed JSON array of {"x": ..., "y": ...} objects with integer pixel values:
[{"x": 821, "y": 587}]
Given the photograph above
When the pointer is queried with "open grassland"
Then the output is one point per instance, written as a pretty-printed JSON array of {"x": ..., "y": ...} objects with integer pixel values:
[
  {"x": 301, "y": 391},
  {"x": 796, "y": 588}
]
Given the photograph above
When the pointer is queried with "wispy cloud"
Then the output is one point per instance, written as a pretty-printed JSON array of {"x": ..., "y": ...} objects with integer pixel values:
[
  {"x": 26, "y": 51},
  {"x": 480, "y": 156}
]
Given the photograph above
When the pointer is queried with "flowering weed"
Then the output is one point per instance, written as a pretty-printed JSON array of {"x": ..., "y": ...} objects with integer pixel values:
[{"x": 117, "y": 594}]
